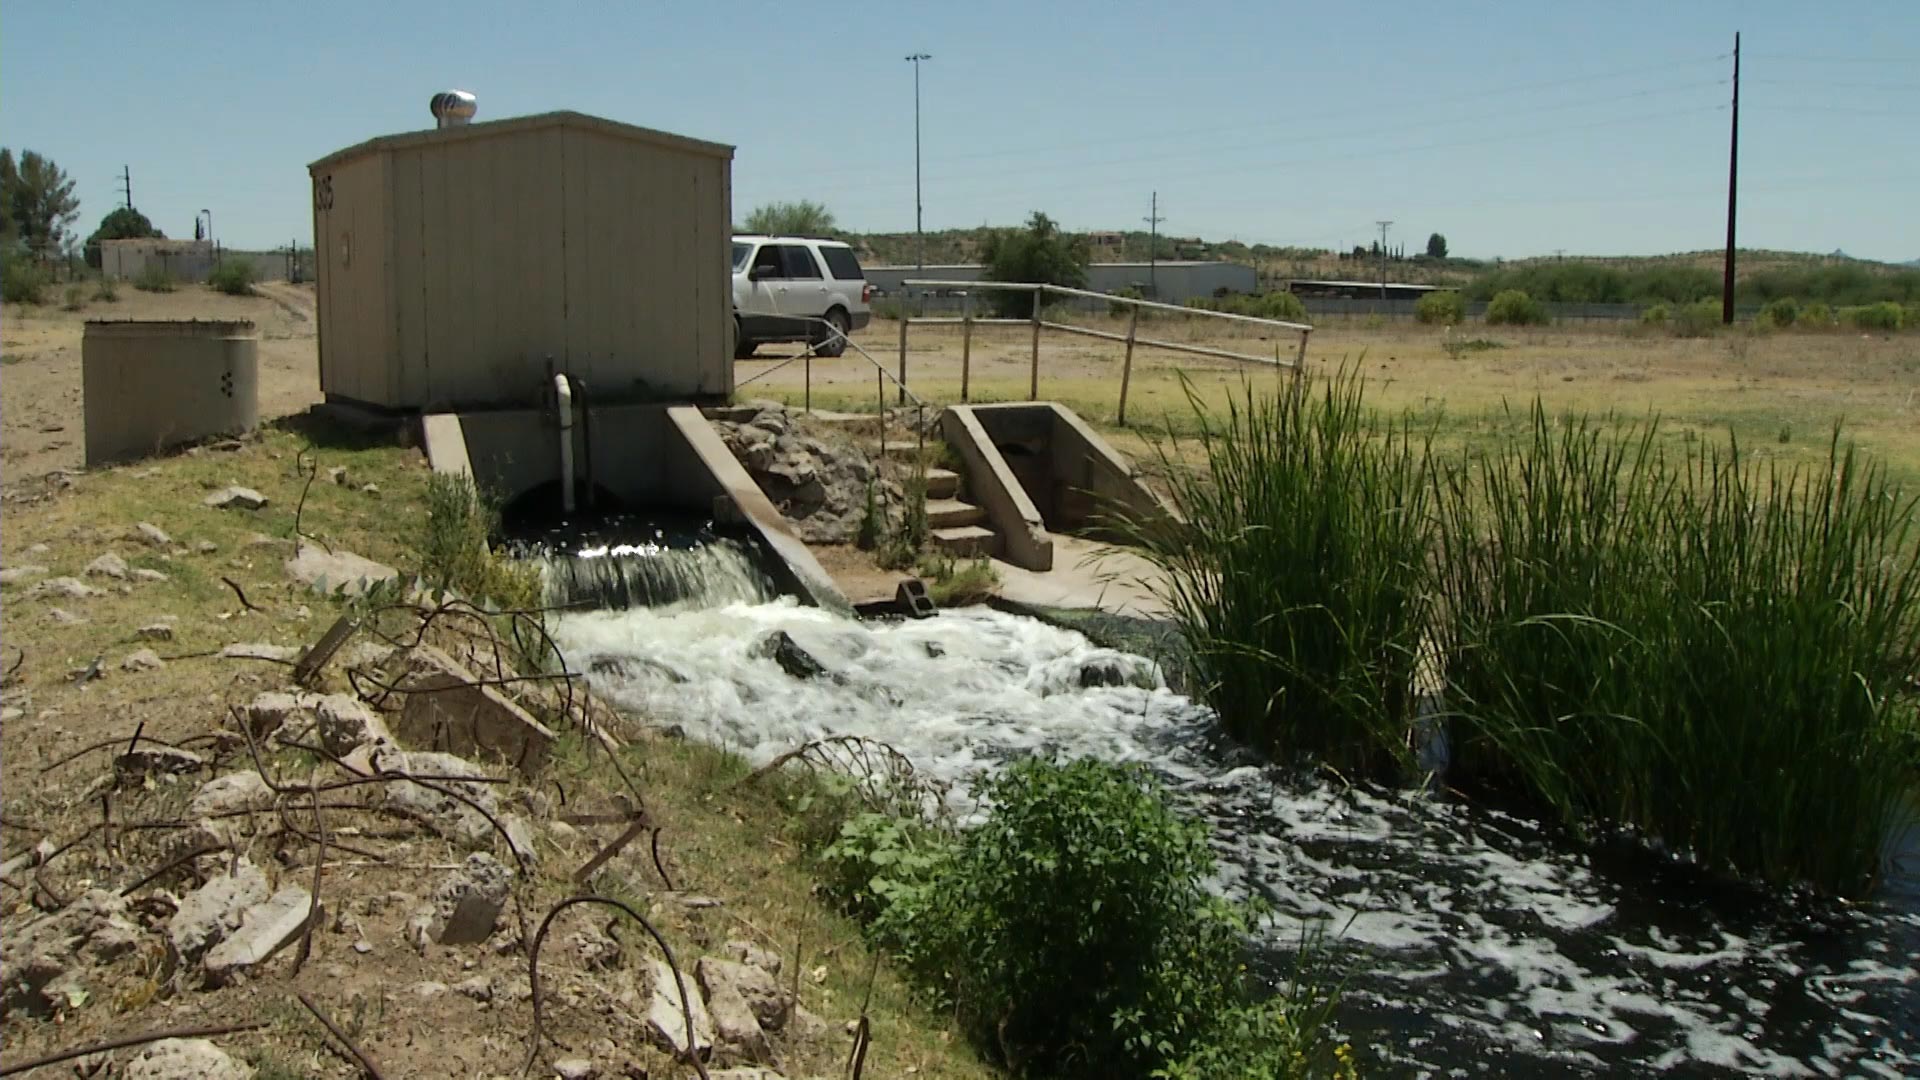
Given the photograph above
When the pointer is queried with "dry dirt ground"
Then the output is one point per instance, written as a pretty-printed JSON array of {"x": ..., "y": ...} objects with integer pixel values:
[{"x": 41, "y": 420}]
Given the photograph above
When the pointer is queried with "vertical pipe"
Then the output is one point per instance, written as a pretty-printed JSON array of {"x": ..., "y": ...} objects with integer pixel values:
[
  {"x": 880, "y": 390},
  {"x": 904, "y": 322},
  {"x": 1126, "y": 366},
  {"x": 563, "y": 404},
  {"x": 1033, "y": 379},
  {"x": 966, "y": 343}
]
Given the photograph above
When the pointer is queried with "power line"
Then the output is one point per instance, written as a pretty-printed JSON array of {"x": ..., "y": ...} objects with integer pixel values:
[{"x": 1785, "y": 58}]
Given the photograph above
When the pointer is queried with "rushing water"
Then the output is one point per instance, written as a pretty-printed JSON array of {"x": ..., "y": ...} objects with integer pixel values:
[
  {"x": 625, "y": 561},
  {"x": 1478, "y": 942}
]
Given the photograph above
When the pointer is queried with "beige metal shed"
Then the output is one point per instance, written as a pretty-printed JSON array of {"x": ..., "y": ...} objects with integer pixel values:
[{"x": 453, "y": 263}]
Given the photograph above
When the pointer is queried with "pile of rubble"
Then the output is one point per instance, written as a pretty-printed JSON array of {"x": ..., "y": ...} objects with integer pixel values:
[
  {"x": 821, "y": 488},
  {"x": 232, "y": 864}
]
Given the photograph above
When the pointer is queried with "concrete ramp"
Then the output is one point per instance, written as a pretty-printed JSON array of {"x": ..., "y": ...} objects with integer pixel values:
[
  {"x": 646, "y": 457},
  {"x": 1037, "y": 466}
]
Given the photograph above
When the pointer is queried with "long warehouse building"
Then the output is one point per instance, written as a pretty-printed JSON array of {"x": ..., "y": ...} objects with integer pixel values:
[{"x": 1174, "y": 282}]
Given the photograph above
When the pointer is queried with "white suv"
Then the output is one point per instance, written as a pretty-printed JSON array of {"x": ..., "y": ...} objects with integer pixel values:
[{"x": 789, "y": 288}]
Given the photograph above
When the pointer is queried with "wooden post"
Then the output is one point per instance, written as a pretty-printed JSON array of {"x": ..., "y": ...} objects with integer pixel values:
[
  {"x": 1033, "y": 380},
  {"x": 903, "y": 359},
  {"x": 1126, "y": 366},
  {"x": 966, "y": 343},
  {"x": 1300, "y": 362}
]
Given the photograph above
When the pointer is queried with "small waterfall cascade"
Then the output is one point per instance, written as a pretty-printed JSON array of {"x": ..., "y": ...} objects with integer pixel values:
[{"x": 622, "y": 564}]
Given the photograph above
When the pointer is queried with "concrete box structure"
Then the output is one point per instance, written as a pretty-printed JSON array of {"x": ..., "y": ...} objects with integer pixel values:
[
  {"x": 452, "y": 264},
  {"x": 180, "y": 260},
  {"x": 151, "y": 385}
]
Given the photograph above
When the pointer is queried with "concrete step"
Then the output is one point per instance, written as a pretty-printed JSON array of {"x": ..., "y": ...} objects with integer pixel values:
[
  {"x": 942, "y": 483},
  {"x": 952, "y": 513},
  {"x": 966, "y": 541}
]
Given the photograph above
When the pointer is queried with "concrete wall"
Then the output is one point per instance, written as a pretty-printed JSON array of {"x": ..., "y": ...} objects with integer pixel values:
[
  {"x": 599, "y": 245},
  {"x": 147, "y": 386},
  {"x": 1074, "y": 479},
  {"x": 1000, "y": 488},
  {"x": 184, "y": 261}
]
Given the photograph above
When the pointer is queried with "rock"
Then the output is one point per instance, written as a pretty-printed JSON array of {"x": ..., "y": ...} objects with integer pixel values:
[
  {"x": 255, "y": 650},
  {"x": 185, "y": 1059},
  {"x": 152, "y": 759},
  {"x": 369, "y": 489},
  {"x": 575, "y": 1069},
  {"x": 755, "y": 987},
  {"x": 445, "y": 711},
  {"x": 337, "y": 572},
  {"x": 142, "y": 660},
  {"x": 108, "y": 566},
  {"x": 63, "y": 617},
  {"x": 235, "y": 498},
  {"x": 40, "y": 549},
  {"x": 270, "y": 712},
  {"x": 794, "y": 660},
  {"x": 151, "y": 535},
  {"x": 66, "y": 588},
  {"x": 444, "y": 814},
  {"x": 208, "y": 914},
  {"x": 338, "y": 474},
  {"x": 748, "y": 1072},
  {"x": 737, "y": 1031},
  {"x": 230, "y": 794},
  {"x": 469, "y": 901},
  {"x": 264, "y": 930},
  {"x": 343, "y": 724},
  {"x": 48, "y": 957},
  {"x": 141, "y": 573},
  {"x": 206, "y": 547},
  {"x": 262, "y": 540},
  {"x": 666, "y": 1021},
  {"x": 13, "y": 575},
  {"x": 427, "y": 990},
  {"x": 479, "y": 988},
  {"x": 155, "y": 631}
]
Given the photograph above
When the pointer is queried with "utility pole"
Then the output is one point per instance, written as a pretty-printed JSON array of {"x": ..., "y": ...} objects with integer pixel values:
[
  {"x": 1733, "y": 172},
  {"x": 1384, "y": 226},
  {"x": 1153, "y": 220},
  {"x": 126, "y": 184},
  {"x": 919, "y": 237}
]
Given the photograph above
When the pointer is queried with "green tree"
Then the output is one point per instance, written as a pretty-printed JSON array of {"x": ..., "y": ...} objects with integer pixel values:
[
  {"x": 1436, "y": 246},
  {"x": 1037, "y": 254},
  {"x": 802, "y": 218},
  {"x": 125, "y": 223},
  {"x": 38, "y": 201}
]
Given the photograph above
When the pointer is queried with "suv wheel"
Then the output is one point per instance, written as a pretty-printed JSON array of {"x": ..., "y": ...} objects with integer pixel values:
[
  {"x": 742, "y": 348},
  {"x": 834, "y": 342}
]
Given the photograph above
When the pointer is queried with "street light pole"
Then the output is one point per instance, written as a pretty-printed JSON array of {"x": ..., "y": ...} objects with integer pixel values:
[
  {"x": 1384, "y": 226},
  {"x": 919, "y": 237}
]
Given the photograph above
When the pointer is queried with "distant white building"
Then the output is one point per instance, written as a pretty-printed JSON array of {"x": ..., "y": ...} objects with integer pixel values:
[
  {"x": 1173, "y": 282},
  {"x": 181, "y": 260}
]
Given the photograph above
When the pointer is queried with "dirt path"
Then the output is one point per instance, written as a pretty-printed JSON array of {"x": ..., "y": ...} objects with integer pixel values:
[{"x": 41, "y": 416}]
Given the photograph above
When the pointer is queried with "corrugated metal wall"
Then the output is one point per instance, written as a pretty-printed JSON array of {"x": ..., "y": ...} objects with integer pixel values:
[
  {"x": 561, "y": 238},
  {"x": 353, "y": 260}
]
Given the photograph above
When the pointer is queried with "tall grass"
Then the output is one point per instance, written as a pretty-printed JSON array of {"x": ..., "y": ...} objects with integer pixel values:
[
  {"x": 1297, "y": 575},
  {"x": 1708, "y": 650},
  {"x": 454, "y": 542}
]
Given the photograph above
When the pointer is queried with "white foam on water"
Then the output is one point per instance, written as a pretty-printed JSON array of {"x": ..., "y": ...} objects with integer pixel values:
[{"x": 1466, "y": 926}]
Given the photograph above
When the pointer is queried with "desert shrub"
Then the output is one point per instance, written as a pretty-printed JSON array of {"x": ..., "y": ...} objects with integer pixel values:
[
  {"x": 1816, "y": 315},
  {"x": 153, "y": 278},
  {"x": 454, "y": 544},
  {"x": 1271, "y": 1040},
  {"x": 1780, "y": 313},
  {"x": 74, "y": 299},
  {"x": 889, "y": 308},
  {"x": 1283, "y": 306},
  {"x": 105, "y": 291},
  {"x": 1515, "y": 308},
  {"x": 879, "y": 869},
  {"x": 954, "y": 583},
  {"x": 1698, "y": 319},
  {"x": 1885, "y": 315},
  {"x": 1655, "y": 315},
  {"x": 1443, "y": 308},
  {"x": 233, "y": 277},
  {"x": 1122, "y": 311},
  {"x": 1706, "y": 650},
  {"x": 21, "y": 282},
  {"x": 1299, "y": 578}
]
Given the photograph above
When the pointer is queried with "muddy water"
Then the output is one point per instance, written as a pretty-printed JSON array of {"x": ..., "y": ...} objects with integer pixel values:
[{"x": 1477, "y": 942}]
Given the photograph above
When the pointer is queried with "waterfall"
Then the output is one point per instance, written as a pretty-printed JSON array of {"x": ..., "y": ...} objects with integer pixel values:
[{"x": 653, "y": 575}]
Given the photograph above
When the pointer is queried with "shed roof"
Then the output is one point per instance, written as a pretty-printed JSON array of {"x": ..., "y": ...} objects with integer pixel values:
[{"x": 518, "y": 124}]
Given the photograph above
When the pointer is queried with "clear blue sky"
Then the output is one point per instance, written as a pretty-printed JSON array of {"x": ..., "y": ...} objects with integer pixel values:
[{"x": 1515, "y": 129}]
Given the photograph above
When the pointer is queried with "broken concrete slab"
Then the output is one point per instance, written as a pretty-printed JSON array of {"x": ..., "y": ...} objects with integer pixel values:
[
  {"x": 265, "y": 929},
  {"x": 13, "y": 575},
  {"x": 738, "y": 1035},
  {"x": 340, "y": 572},
  {"x": 343, "y": 724},
  {"x": 150, "y": 759},
  {"x": 142, "y": 660},
  {"x": 442, "y": 812},
  {"x": 255, "y": 650},
  {"x": 66, "y": 588},
  {"x": 154, "y": 631},
  {"x": 753, "y": 986},
  {"x": 446, "y": 711},
  {"x": 666, "y": 1020},
  {"x": 208, "y": 914},
  {"x": 746, "y": 952},
  {"x": 185, "y": 1059},
  {"x": 108, "y": 566},
  {"x": 235, "y": 498},
  {"x": 275, "y": 710},
  {"x": 230, "y": 794},
  {"x": 151, "y": 535},
  {"x": 47, "y": 959},
  {"x": 141, "y": 573},
  {"x": 469, "y": 901}
]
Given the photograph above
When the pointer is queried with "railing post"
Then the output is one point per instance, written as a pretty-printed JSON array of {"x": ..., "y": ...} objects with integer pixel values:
[
  {"x": 1300, "y": 362},
  {"x": 807, "y": 395},
  {"x": 1126, "y": 366},
  {"x": 1033, "y": 380},
  {"x": 880, "y": 391},
  {"x": 966, "y": 343},
  {"x": 904, "y": 321}
]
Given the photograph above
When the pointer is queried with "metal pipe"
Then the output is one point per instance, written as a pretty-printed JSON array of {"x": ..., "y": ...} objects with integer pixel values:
[
  {"x": 586, "y": 439},
  {"x": 966, "y": 343},
  {"x": 1033, "y": 381},
  {"x": 563, "y": 404}
]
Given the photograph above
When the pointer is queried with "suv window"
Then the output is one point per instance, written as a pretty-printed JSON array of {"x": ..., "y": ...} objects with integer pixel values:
[
  {"x": 740, "y": 253},
  {"x": 767, "y": 263},
  {"x": 841, "y": 261},
  {"x": 799, "y": 262}
]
